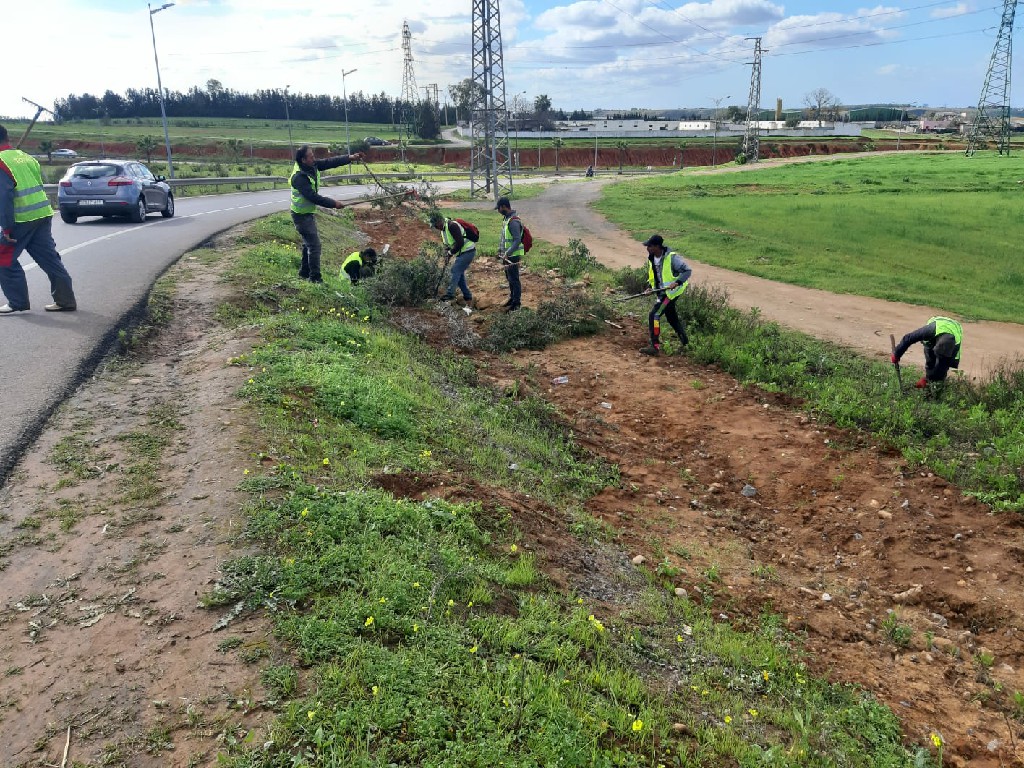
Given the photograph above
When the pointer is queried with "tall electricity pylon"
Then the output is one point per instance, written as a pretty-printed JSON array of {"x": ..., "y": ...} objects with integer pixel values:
[
  {"x": 752, "y": 139},
  {"x": 992, "y": 120},
  {"x": 490, "y": 169},
  {"x": 409, "y": 92}
]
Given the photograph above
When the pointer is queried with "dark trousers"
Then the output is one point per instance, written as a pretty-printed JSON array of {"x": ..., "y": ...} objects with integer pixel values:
[
  {"x": 353, "y": 270},
  {"x": 936, "y": 364},
  {"x": 36, "y": 239},
  {"x": 666, "y": 307},
  {"x": 305, "y": 223},
  {"x": 515, "y": 287}
]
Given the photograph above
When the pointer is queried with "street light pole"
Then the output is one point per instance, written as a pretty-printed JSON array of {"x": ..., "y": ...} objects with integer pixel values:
[
  {"x": 344, "y": 96},
  {"x": 160, "y": 85},
  {"x": 288, "y": 119},
  {"x": 714, "y": 141}
]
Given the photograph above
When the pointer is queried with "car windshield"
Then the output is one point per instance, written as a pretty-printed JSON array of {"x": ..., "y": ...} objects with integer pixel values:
[{"x": 98, "y": 171}]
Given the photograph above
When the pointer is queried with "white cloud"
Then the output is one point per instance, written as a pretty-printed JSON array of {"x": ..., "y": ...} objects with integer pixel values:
[
  {"x": 887, "y": 69},
  {"x": 828, "y": 30},
  {"x": 948, "y": 13}
]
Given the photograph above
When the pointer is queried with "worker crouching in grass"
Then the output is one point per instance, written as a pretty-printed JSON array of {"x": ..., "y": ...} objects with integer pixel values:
[
  {"x": 359, "y": 264},
  {"x": 941, "y": 338}
]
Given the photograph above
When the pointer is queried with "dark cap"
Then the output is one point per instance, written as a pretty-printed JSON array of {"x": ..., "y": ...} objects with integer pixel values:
[
  {"x": 655, "y": 240},
  {"x": 502, "y": 201}
]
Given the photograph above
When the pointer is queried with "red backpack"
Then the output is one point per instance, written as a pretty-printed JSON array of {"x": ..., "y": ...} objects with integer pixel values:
[
  {"x": 527, "y": 235},
  {"x": 472, "y": 233}
]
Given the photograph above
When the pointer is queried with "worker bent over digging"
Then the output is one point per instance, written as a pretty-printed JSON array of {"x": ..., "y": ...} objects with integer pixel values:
[
  {"x": 668, "y": 276},
  {"x": 941, "y": 339}
]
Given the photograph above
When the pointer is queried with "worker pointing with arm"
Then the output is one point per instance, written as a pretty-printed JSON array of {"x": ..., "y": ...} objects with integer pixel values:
[
  {"x": 305, "y": 184},
  {"x": 941, "y": 338}
]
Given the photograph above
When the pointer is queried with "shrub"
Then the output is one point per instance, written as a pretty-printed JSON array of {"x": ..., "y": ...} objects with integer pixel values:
[
  {"x": 632, "y": 279},
  {"x": 575, "y": 259},
  {"x": 400, "y": 283},
  {"x": 573, "y": 315}
]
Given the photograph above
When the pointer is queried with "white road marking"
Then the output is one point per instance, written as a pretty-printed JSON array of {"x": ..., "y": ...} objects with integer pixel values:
[{"x": 120, "y": 232}]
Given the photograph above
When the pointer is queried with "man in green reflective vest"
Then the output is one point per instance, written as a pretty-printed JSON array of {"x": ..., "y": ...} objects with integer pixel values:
[
  {"x": 359, "y": 263},
  {"x": 305, "y": 186},
  {"x": 667, "y": 275},
  {"x": 456, "y": 243},
  {"x": 941, "y": 338},
  {"x": 26, "y": 220}
]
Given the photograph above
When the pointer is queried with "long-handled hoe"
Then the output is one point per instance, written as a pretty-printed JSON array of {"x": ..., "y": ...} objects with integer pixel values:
[{"x": 899, "y": 376}]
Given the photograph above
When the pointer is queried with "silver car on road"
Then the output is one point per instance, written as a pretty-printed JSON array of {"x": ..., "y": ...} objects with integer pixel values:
[{"x": 113, "y": 188}]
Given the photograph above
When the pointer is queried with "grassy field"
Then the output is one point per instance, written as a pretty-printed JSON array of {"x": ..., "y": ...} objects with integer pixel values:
[
  {"x": 204, "y": 130},
  {"x": 926, "y": 229}
]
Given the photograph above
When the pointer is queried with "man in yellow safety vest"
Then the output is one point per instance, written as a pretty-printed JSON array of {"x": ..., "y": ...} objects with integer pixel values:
[
  {"x": 305, "y": 185},
  {"x": 941, "y": 338},
  {"x": 667, "y": 275},
  {"x": 26, "y": 220}
]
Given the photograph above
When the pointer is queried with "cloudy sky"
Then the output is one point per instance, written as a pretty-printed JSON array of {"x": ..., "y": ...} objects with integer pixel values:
[{"x": 582, "y": 53}]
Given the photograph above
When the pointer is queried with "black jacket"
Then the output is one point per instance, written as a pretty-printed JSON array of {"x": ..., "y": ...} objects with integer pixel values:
[{"x": 303, "y": 183}]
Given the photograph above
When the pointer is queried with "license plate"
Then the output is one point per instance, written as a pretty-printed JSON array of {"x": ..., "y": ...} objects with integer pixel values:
[{"x": 90, "y": 202}]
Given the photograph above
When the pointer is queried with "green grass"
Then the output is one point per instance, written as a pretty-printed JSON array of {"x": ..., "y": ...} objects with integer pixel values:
[
  {"x": 940, "y": 230},
  {"x": 205, "y": 130},
  {"x": 424, "y": 634}
]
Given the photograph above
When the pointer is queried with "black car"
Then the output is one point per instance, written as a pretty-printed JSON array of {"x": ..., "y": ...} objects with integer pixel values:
[
  {"x": 375, "y": 141},
  {"x": 113, "y": 188}
]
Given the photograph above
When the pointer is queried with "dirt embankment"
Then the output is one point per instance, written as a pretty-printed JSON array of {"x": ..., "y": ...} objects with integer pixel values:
[{"x": 101, "y": 630}]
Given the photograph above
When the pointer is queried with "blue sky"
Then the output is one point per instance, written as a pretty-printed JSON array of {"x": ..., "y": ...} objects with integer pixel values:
[{"x": 582, "y": 53}]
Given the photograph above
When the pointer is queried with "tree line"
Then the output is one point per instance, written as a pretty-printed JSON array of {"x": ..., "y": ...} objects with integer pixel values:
[{"x": 217, "y": 101}]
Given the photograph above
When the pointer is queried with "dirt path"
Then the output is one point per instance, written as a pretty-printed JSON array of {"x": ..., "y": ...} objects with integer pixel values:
[{"x": 564, "y": 211}]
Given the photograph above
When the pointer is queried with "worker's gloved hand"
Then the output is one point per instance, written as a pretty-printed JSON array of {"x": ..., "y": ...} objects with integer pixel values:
[
  {"x": 922, "y": 383},
  {"x": 6, "y": 239},
  {"x": 895, "y": 360},
  {"x": 338, "y": 204}
]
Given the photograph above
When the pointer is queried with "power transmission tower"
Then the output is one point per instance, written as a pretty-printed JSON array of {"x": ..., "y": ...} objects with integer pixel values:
[
  {"x": 752, "y": 139},
  {"x": 490, "y": 169},
  {"x": 992, "y": 120},
  {"x": 409, "y": 91}
]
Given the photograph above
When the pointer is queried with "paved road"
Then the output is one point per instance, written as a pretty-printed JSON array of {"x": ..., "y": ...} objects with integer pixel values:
[{"x": 43, "y": 356}]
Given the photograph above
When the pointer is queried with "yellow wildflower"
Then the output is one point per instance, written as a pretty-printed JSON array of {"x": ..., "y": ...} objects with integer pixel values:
[
  {"x": 311, "y": 714},
  {"x": 937, "y": 740},
  {"x": 753, "y": 712},
  {"x": 728, "y": 719},
  {"x": 245, "y": 471},
  {"x": 305, "y": 512},
  {"x": 368, "y": 622},
  {"x": 513, "y": 548},
  {"x": 638, "y": 725},
  {"x": 327, "y": 461},
  {"x": 473, "y": 649},
  {"x": 375, "y": 690}
]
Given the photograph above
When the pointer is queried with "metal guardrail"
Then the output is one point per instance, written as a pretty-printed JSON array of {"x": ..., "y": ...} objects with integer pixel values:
[{"x": 218, "y": 181}]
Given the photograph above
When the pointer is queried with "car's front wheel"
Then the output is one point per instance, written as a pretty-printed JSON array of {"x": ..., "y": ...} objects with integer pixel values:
[
  {"x": 67, "y": 217},
  {"x": 138, "y": 214},
  {"x": 168, "y": 210}
]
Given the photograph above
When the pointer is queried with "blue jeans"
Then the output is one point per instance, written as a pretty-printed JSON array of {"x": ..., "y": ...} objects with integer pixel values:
[
  {"x": 462, "y": 262},
  {"x": 36, "y": 238}
]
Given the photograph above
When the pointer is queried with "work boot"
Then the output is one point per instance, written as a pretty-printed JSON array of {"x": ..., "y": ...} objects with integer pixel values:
[
  {"x": 651, "y": 350},
  {"x": 446, "y": 297}
]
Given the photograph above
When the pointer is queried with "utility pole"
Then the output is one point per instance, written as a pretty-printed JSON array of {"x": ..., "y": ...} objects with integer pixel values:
[
  {"x": 409, "y": 94},
  {"x": 752, "y": 138},
  {"x": 344, "y": 96},
  {"x": 489, "y": 168},
  {"x": 714, "y": 141},
  {"x": 39, "y": 110},
  {"x": 288, "y": 119},
  {"x": 160, "y": 86},
  {"x": 992, "y": 120}
]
